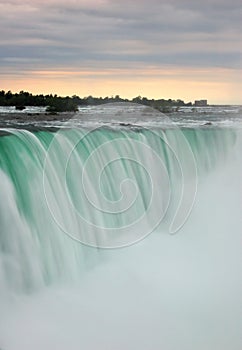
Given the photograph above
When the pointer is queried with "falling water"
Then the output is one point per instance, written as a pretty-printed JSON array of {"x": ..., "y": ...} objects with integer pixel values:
[{"x": 66, "y": 195}]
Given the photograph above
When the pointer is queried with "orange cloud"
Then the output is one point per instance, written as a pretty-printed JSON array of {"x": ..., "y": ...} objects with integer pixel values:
[{"x": 217, "y": 85}]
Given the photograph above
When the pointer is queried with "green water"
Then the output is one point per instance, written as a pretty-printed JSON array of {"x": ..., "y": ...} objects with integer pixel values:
[
  {"x": 103, "y": 188},
  {"x": 66, "y": 195}
]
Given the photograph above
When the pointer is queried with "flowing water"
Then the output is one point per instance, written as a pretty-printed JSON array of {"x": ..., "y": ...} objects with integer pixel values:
[{"x": 121, "y": 230}]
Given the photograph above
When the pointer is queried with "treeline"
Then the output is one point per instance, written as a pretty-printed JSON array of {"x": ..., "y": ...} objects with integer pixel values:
[
  {"x": 56, "y": 103},
  {"x": 52, "y": 102}
]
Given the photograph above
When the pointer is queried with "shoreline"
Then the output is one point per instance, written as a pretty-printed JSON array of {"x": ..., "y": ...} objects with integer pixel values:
[{"x": 41, "y": 116}]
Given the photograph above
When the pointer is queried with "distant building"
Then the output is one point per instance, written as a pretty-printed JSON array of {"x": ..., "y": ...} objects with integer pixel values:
[{"x": 201, "y": 103}]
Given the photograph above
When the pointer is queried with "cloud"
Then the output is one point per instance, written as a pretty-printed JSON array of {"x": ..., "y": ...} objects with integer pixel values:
[{"x": 103, "y": 34}]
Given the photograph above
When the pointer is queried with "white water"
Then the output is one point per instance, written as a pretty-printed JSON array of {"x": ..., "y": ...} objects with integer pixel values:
[
  {"x": 167, "y": 292},
  {"x": 172, "y": 292}
]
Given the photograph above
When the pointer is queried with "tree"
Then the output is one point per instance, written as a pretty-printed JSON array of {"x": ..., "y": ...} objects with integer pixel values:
[{"x": 59, "y": 104}]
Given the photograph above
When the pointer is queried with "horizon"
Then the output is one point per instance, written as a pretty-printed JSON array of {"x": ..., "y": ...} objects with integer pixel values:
[
  {"x": 181, "y": 50},
  {"x": 129, "y": 100},
  {"x": 125, "y": 99},
  {"x": 95, "y": 96}
]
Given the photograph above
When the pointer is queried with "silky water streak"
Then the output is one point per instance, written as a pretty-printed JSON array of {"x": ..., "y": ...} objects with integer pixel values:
[
  {"x": 66, "y": 194},
  {"x": 116, "y": 184}
]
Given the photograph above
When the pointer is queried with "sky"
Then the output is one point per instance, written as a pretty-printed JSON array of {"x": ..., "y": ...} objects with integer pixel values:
[{"x": 181, "y": 49}]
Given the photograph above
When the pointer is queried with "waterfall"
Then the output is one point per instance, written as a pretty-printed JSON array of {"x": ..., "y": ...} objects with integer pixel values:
[{"x": 66, "y": 195}]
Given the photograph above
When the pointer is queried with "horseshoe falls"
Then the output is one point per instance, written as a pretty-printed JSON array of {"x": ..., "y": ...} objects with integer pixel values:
[{"x": 121, "y": 234}]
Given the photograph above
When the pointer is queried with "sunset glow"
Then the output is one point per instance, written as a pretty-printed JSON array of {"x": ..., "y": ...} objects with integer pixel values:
[{"x": 178, "y": 50}]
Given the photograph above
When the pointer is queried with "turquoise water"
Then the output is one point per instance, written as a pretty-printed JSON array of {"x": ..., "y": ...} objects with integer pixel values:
[{"x": 67, "y": 195}]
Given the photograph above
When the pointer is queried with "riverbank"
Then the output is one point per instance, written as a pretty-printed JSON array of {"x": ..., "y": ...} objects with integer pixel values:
[{"x": 16, "y": 118}]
